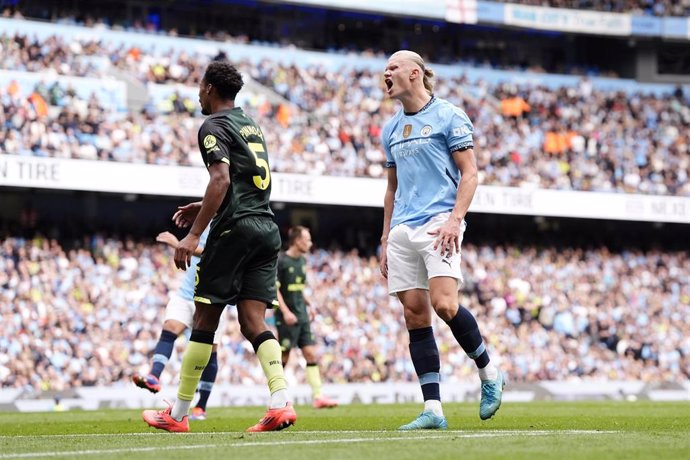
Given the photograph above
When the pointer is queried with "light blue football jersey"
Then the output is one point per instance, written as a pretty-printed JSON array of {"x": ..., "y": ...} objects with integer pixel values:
[
  {"x": 419, "y": 146},
  {"x": 186, "y": 289}
]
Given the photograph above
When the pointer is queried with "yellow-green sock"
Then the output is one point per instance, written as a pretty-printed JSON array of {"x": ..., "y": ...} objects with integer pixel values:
[
  {"x": 193, "y": 363},
  {"x": 269, "y": 355},
  {"x": 314, "y": 379}
]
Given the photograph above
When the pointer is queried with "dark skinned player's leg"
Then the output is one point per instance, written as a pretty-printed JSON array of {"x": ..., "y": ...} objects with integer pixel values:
[
  {"x": 196, "y": 355},
  {"x": 251, "y": 315}
]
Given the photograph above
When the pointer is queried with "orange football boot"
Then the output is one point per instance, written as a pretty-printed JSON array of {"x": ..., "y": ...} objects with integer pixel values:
[
  {"x": 162, "y": 420},
  {"x": 275, "y": 420}
]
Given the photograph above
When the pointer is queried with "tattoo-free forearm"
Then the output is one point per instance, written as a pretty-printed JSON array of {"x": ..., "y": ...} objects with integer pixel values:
[
  {"x": 282, "y": 306},
  {"x": 388, "y": 201},
  {"x": 466, "y": 189}
]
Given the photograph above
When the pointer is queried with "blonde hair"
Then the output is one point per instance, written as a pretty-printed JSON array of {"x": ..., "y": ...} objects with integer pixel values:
[{"x": 427, "y": 72}]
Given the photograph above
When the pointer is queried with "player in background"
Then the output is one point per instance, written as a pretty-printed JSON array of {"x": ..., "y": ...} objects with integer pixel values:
[
  {"x": 238, "y": 265},
  {"x": 179, "y": 314},
  {"x": 292, "y": 317},
  {"x": 432, "y": 177}
]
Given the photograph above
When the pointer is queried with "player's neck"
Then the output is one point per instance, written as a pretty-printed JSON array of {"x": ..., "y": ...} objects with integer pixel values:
[
  {"x": 293, "y": 252},
  {"x": 221, "y": 104},
  {"x": 413, "y": 103}
]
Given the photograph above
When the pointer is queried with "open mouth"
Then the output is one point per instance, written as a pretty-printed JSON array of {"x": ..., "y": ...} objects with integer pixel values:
[{"x": 389, "y": 84}]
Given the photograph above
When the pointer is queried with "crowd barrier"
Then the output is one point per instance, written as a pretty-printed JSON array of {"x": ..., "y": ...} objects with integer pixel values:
[{"x": 130, "y": 397}]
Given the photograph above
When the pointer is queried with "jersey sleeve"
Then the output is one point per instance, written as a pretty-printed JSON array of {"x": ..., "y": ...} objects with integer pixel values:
[
  {"x": 213, "y": 143},
  {"x": 459, "y": 131}
]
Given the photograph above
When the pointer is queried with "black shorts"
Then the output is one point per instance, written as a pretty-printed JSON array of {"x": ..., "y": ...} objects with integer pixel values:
[
  {"x": 239, "y": 263},
  {"x": 298, "y": 335}
]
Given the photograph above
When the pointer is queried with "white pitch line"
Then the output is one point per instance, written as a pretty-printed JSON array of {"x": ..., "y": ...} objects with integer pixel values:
[
  {"x": 295, "y": 432},
  {"x": 457, "y": 434}
]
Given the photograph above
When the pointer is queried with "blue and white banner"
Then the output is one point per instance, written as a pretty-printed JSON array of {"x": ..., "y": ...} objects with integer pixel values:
[
  {"x": 545, "y": 18},
  {"x": 185, "y": 181},
  {"x": 587, "y": 22}
]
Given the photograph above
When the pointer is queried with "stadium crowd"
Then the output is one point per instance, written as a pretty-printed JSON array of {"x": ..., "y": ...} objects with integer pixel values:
[
  {"x": 680, "y": 8},
  {"x": 91, "y": 315},
  {"x": 658, "y": 8},
  {"x": 574, "y": 138}
]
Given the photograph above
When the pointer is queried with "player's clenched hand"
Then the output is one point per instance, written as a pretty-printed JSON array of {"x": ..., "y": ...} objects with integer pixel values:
[
  {"x": 185, "y": 251},
  {"x": 447, "y": 237},
  {"x": 185, "y": 215}
]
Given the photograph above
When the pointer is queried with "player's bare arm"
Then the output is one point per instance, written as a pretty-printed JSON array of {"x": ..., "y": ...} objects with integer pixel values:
[
  {"x": 311, "y": 310},
  {"x": 388, "y": 202},
  {"x": 215, "y": 192},
  {"x": 448, "y": 235},
  {"x": 288, "y": 316},
  {"x": 172, "y": 241},
  {"x": 185, "y": 215}
]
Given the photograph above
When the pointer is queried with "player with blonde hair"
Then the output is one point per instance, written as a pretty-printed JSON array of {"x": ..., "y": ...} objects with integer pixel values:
[{"x": 432, "y": 177}]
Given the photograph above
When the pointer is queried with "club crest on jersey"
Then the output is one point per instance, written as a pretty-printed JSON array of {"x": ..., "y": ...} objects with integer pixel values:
[
  {"x": 406, "y": 131},
  {"x": 426, "y": 131},
  {"x": 210, "y": 143}
]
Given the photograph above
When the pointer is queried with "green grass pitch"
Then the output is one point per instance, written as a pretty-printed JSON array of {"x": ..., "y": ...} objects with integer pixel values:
[{"x": 540, "y": 430}]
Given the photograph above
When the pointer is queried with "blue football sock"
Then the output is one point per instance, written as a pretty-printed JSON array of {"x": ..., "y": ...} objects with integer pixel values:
[
  {"x": 208, "y": 377},
  {"x": 162, "y": 352},
  {"x": 466, "y": 332},
  {"x": 427, "y": 363}
]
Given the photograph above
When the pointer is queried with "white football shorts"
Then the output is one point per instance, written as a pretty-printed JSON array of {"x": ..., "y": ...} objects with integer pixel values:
[
  {"x": 412, "y": 260},
  {"x": 182, "y": 310}
]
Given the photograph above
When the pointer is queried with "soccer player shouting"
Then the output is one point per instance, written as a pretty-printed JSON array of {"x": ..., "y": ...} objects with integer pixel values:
[
  {"x": 238, "y": 265},
  {"x": 432, "y": 177}
]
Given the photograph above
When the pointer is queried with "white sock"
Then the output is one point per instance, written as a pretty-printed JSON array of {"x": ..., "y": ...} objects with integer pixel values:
[
  {"x": 433, "y": 405},
  {"x": 279, "y": 399},
  {"x": 488, "y": 373},
  {"x": 180, "y": 409}
]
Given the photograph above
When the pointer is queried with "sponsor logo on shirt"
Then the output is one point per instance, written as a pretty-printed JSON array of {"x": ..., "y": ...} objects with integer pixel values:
[
  {"x": 211, "y": 143},
  {"x": 409, "y": 148},
  {"x": 461, "y": 131}
]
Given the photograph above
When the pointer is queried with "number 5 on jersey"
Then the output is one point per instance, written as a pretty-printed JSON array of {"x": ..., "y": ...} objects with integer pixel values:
[{"x": 257, "y": 148}]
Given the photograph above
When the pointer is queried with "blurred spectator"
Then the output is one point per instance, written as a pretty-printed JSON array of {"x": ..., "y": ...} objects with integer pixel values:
[
  {"x": 89, "y": 315},
  {"x": 572, "y": 138}
]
